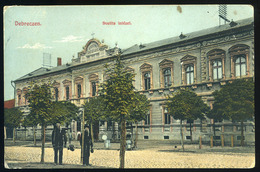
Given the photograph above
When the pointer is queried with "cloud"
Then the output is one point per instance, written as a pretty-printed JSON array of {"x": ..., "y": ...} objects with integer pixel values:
[
  {"x": 71, "y": 38},
  {"x": 35, "y": 46}
]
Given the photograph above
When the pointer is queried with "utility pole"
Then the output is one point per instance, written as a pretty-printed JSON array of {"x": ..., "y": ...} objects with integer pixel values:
[{"x": 82, "y": 135}]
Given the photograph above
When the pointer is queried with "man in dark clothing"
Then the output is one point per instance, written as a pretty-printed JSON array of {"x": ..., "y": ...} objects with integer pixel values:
[
  {"x": 87, "y": 145},
  {"x": 57, "y": 143}
]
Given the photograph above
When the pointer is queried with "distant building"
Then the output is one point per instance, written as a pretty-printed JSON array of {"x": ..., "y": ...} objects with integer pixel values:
[
  {"x": 204, "y": 61},
  {"x": 8, "y": 104}
]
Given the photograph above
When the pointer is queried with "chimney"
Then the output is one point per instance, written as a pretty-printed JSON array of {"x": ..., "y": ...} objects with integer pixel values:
[{"x": 58, "y": 61}]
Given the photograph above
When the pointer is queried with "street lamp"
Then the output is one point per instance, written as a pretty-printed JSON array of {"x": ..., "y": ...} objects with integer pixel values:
[{"x": 82, "y": 133}]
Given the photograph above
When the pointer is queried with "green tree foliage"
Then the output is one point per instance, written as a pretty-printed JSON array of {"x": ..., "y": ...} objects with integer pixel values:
[
  {"x": 94, "y": 110},
  {"x": 12, "y": 119},
  {"x": 235, "y": 101},
  {"x": 118, "y": 94},
  {"x": 40, "y": 103},
  {"x": 31, "y": 121},
  {"x": 186, "y": 105},
  {"x": 139, "y": 111}
]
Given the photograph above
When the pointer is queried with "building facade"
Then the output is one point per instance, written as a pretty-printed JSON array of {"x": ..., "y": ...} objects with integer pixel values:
[{"x": 203, "y": 61}]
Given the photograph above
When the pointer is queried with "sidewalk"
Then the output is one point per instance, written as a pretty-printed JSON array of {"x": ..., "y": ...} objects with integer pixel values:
[{"x": 149, "y": 154}]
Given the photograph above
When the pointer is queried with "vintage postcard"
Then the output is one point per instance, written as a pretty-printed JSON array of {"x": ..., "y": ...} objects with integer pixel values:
[{"x": 129, "y": 86}]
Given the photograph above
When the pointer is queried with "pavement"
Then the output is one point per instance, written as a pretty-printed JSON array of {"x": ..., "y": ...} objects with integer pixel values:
[{"x": 149, "y": 154}]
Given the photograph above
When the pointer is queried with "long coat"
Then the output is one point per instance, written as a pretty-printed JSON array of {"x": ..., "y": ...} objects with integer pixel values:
[
  {"x": 87, "y": 143},
  {"x": 58, "y": 138}
]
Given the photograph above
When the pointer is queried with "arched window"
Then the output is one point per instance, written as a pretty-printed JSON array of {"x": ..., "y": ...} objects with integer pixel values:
[
  {"x": 216, "y": 63},
  {"x": 239, "y": 60},
  {"x": 167, "y": 77},
  {"x": 189, "y": 74},
  {"x": 146, "y": 76},
  {"x": 56, "y": 94},
  {"x": 147, "y": 81},
  {"x": 217, "y": 69},
  {"x": 166, "y": 73},
  {"x": 94, "y": 88},
  {"x": 93, "y": 79},
  {"x": 240, "y": 65},
  {"x": 67, "y": 89},
  {"x": 79, "y": 90},
  {"x": 188, "y": 63}
]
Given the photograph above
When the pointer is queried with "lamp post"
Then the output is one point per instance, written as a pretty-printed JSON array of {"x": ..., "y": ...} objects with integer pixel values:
[{"x": 82, "y": 135}]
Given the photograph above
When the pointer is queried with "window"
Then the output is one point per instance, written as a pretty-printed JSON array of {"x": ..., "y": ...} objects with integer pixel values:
[
  {"x": 67, "y": 93},
  {"x": 79, "y": 90},
  {"x": 19, "y": 99},
  {"x": 167, "y": 77},
  {"x": 93, "y": 80},
  {"x": 166, "y": 73},
  {"x": 146, "y": 76},
  {"x": 147, "y": 119},
  {"x": 217, "y": 69},
  {"x": 216, "y": 61},
  {"x": 67, "y": 89},
  {"x": 240, "y": 65},
  {"x": 189, "y": 74},
  {"x": 239, "y": 60},
  {"x": 94, "y": 91},
  {"x": 56, "y": 94},
  {"x": 188, "y": 63},
  {"x": 147, "y": 81},
  {"x": 167, "y": 117}
]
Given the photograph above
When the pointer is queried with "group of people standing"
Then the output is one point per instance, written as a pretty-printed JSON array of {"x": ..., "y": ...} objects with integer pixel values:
[{"x": 59, "y": 140}]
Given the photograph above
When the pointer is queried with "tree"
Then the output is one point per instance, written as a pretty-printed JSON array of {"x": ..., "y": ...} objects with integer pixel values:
[
  {"x": 40, "y": 103},
  {"x": 235, "y": 101},
  {"x": 186, "y": 105},
  {"x": 12, "y": 119},
  {"x": 138, "y": 112},
  {"x": 94, "y": 110},
  {"x": 31, "y": 121},
  {"x": 118, "y": 94}
]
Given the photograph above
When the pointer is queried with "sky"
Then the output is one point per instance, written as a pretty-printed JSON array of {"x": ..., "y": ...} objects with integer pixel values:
[{"x": 64, "y": 30}]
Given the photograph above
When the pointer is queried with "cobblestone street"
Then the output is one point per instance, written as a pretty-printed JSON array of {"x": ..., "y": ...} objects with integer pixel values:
[{"x": 148, "y": 155}]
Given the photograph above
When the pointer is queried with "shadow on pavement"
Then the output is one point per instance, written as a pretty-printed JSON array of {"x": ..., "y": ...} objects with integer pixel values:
[{"x": 37, "y": 165}]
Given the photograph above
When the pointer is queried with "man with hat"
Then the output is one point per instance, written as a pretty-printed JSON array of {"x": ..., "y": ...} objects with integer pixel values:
[
  {"x": 57, "y": 143},
  {"x": 87, "y": 145}
]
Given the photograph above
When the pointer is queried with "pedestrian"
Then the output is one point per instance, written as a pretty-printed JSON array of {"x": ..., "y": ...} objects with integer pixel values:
[
  {"x": 87, "y": 147},
  {"x": 57, "y": 143},
  {"x": 64, "y": 134}
]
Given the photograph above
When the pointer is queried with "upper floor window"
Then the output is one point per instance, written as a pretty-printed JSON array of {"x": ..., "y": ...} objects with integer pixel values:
[
  {"x": 78, "y": 85},
  {"x": 146, "y": 76},
  {"x": 167, "y": 77},
  {"x": 79, "y": 90},
  {"x": 166, "y": 73},
  {"x": 188, "y": 63},
  {"x": 189, "y": 74},
  {"x": 67, "y": 89},
  {"x": 239, "y": 60},
  {"x": 94, "y": 90},
  {"x": 19, "y": 99},
  {"x": 217, "y": 69},
  {"x": 56, "y": 94},
  {"x": 216, "y": 63},
  {"x": 147, "y": 81},
  {"x": 93, "y": 79},
  {"x": 240, "y": 65}
]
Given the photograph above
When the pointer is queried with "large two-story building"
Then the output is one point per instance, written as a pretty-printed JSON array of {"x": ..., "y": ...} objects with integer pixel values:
[{"x": 204, "y": 61}]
